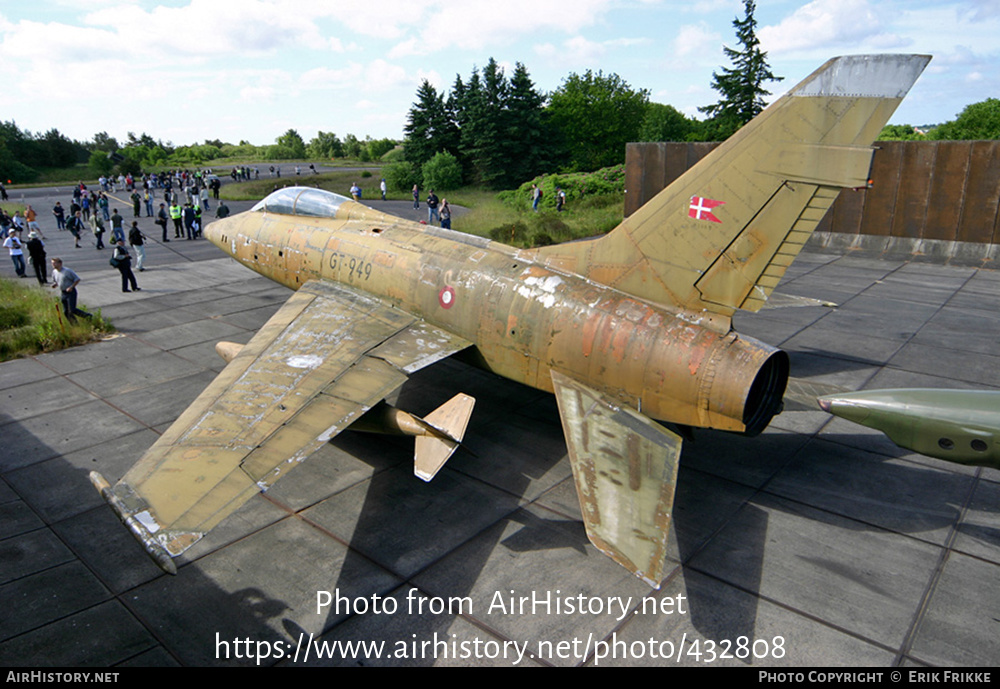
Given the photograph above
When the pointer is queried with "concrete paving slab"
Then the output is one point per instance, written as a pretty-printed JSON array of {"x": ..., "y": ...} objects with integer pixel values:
[
  {"x": 113, "y": 350},
  {"x": 60, "y": 432},
  {"x": 857, "y": 577},
  {"x": 453, "y": 507},
  {"x": 339, "y": 465},
  {"x": 971, "y": 368},
  {"x": 236, "y": 594},
  {"x": 35, "y": 600},
  {"x": 36, "y": 398},
  {"x": 847, "y": 344},
  {"x": 191, "y": 333},
  {"x": 30, "y": 552},
  {"x": 105, "y": 635},
  {"x": 521, "y": 442},
  {"x": 58, "y": 488},
  {"x": 163, "y": 402},
  {"x": 892, "y": 494},
  {"x": 948, "y": 637},
  {"x": 553, "y": 564},
  {"x": 770, "y": 330},
  {"x": 731, "y": 628},
  {"x": 819, "y": 531},
  {"x": 100, "y": 542},
  {"x": 979, "y": 531},
  {"x": 24, "y": 371}
]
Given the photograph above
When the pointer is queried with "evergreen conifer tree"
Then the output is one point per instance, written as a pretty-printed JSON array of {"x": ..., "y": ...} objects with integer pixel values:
[{"x": 742, "y": 85}]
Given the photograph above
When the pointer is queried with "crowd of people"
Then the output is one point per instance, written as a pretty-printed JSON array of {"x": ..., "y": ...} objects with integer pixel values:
[{"x": 91, "y": 213}]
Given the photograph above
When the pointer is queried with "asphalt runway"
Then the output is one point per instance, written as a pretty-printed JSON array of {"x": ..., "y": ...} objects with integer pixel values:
[{"x": 818, "y": 543}]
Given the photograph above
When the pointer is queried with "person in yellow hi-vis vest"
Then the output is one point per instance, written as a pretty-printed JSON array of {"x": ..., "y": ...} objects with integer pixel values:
[{"x": 175, "y": 215}]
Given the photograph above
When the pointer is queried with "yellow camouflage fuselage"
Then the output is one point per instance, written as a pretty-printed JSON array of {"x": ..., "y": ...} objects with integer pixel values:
[{"x": 525, "y": 319}]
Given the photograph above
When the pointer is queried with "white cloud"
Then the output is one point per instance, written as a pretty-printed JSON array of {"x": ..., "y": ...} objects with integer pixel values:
[
  {"x": 329, "y": 78},
  {"x": 578, "y": 50},
  {"x": 477, "y": 24},
  {"x": 383, "y": 76},
  {"x": 823, "y": 24},
  {"x": 697, "y": 39}
]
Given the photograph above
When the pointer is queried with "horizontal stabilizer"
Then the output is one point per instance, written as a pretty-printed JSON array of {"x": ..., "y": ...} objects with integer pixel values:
[{"x": 625, "y": 468}]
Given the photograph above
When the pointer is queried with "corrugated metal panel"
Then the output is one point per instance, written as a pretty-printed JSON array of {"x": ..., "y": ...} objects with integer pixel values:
[
  {"x": 880, "y": 201},
  {"x": 978, "y": 220},
  {"x": 947, "y": 191}
]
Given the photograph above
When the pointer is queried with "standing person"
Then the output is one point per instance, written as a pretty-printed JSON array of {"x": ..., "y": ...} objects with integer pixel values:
[
  {"x": 117, "y": 232},
  {"x": 536, "y": 196},
  {"x": 189, "y": 220},
  {"x": 148, "y": 197},
  {"x": 60, "y": 213},
  {"x": 416, "y": 197},
  {"x": 66, "y": 281},
  {"x": 103, "y": 204},
  {"x": 122, "y": 260},
  {"x": 75, "y": 227},
  {"x": 161, "y": 220},
  {"x": 432, "y": 208},
  {"x": 32, "y": 218},
  {"x": 560, "y": 199},
  {"x": 36, "y": 250},
  {"x": 135, "y": 239},
  {"x": 175, "y": 215},
  {"x": 382, "y": 188},
  {"x": 3, "y": 192},
  {"x": 204, "y": 198},
  {"x": 197, "y": 221},
  {"x": 13, "y": 244},
  {"x": 97, "y": 227},
  {"x": 445, "y": 214},
  {"x": 136, "y": 204}
]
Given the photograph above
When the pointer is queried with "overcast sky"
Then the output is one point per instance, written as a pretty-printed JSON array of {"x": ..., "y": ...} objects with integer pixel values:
[{"x": 189, "y": 70}]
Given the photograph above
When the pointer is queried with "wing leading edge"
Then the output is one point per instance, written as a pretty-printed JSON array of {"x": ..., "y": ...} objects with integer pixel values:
[{"x": 324, "y": 359}]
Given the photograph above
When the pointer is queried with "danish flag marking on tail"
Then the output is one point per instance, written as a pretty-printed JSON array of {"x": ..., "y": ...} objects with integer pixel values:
[{"x": 701, "y": 208}]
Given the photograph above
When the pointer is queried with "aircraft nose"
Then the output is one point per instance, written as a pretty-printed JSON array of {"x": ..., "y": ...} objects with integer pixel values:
[{"x": 214, "y": 232}]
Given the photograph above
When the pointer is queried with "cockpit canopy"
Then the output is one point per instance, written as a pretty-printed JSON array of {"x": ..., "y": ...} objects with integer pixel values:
[{"x": 315, "y": 203}]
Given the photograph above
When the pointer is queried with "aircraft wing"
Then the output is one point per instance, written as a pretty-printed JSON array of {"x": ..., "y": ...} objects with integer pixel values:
[{"x": 325, "y": 358}]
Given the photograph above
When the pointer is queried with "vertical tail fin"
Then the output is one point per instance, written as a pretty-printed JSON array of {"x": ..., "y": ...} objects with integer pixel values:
[{"x": 721, "y": 236}]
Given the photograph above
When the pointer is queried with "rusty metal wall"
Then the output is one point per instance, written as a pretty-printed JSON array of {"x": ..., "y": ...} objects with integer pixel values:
[{"x": 923, "y": 190}]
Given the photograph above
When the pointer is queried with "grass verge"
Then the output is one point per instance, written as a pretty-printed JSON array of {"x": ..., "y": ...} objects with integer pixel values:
[{"x": 32, "y": 321}]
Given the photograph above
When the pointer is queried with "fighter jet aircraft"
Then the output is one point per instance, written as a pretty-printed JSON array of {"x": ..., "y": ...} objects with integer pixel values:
[{"x": 626, "y": 329}]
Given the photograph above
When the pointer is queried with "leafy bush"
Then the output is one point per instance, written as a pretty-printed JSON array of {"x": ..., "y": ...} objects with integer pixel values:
[
  {"x": 442, "y": 172},
  {"x": 396, "y": 155},
  {"x": 100, "y": 163},
  {"x": 279, "y": 152},
  {"x": 609, "y": 181},
  {"x": 401, "y": 176}
]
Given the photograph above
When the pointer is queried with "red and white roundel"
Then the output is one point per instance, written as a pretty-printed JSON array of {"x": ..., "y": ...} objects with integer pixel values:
[{"x": 446, "y": 297}]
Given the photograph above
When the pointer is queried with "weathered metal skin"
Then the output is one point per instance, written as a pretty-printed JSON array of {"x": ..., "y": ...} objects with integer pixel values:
[{"x": 527, "y": 319}]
